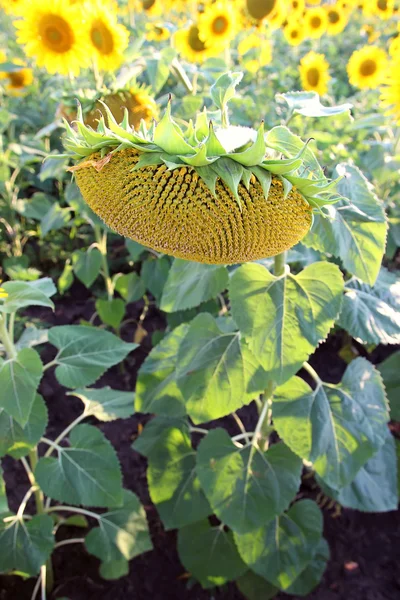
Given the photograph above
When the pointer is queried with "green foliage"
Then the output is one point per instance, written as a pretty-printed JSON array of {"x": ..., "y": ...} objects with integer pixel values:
[
  {"x": 25, "y": 546},
  {"x": 18, "y": 441},
  {"x": 86, "y": 265},
  {"x": 390, "y": 371},
  {"x": 106, "y": 404}
]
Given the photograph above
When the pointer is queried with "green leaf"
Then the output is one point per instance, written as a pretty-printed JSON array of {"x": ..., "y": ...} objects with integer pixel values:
[
  {"x": 26, "y": 545},
  {"x": 86, "y": 265},
  {"x": 223, "y": 89},
  {"x": 135, "y": 249},
  {"x": 356, "y": 227},
  {"x": 111, "y": 312},
  {"x": 158, "y": 68},
  {"x": 285, "y": 318},
  {"x": 312, "y": 574},
  {"x": 374, "y": 488},
  {"x": 85, "y": 353},
  {"x": 4, "y": 508},
  {"x": 154, "y": 429},
  {"x": 87, "y": 472},
  {"x": 131, "y": 287},
  {"x": 105, "y": 403},
  {"x": 280, "y": 550},
  {"x": 154, "y": 274},
  {"x": 115, "y": 569},
  {"x": 31, "y": 336},
  {"x": 308, "y": 104},
  {"x": 390, "y": 371},
  {"x": 254, "y": 587},
  {"x": 372, "y": 314},
  {"x": 27, "y": 293},
  {"x": 19, "y": 380},
  {"x": 190, "y": 283},
  {"x": 35, "y": 207},
  {"x": 217, "y": 373},
  {"x": 66, "y": 278},
  {"x": 246, "y": 489},
  {"x": 122, "y": 534},
  {"x": 156, "y": 388},
  {"x": 18, "y": 441},
  {"x": 55, "y": 218},
  {"x": 209, "y": 554},
  {"x": 283, "y": 140},
  {"x": 173, "y": 484},
  {"x": 336, "y": 427}
]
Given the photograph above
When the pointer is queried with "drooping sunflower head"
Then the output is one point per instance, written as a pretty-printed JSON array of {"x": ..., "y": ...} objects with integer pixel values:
[
  {"x": 107, "y": 38},
  {"x": 314, "y": 73},
  {"x": 367, "y": 67},
  {"x": 218, "y": 24},
  {"x": 215, "y": 194},
  {"x": 53, "y": 33},
  {"x": 390, "y": 91},
  {"x": 337, "y": 19},
  {"x": 315, "y": 22}
]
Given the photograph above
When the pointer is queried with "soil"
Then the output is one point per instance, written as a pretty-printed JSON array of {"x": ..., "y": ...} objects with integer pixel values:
[{"x": 365, "y": 548}]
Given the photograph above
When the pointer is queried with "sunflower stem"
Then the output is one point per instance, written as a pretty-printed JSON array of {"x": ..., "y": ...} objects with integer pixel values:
[
  {"x": 6, "y": 339},
  {"x": 280, "y": 264}
]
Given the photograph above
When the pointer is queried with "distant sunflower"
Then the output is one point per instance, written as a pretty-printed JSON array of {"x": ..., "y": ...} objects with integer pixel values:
[
  {"x": 390, "y": 91},
  {"x": 156, "y": 32},
  {"x": 295, "y": 8},
  {"x": 381, "y": 8},
  {"x": 315, "y": 22},
  {"x": 150, "y": 7},
  {"x": 217, "y": 24},
  {"x": 394, "y": 47},
  {"x": 191, "y": 47},
  {"x": 314, "y": 73},
  {"x": 273, "y": 11},
  {"x": 366, "y": 67},
  {"x": 337, "y": 19},
  {"x": 107, "y": 37},
  {"x": 138, "y": 101},
  {"x": 293, "y": 32},
  {"x": 256, "y": 52},
  {"x": 12, "y": 7},
  {"x": 17, "y": 80},
  {"x": 53, "y": 33}
]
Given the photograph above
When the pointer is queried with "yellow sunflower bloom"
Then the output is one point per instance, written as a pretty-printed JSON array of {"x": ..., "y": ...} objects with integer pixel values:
[
  {"x": 256, "y": 52},
  {"x": 3, "y": 293},
  {"x": 53, "y": 33},
  {"x": 217, "y": 24},
  {"x": 108, "y": 39},
  {"x": 394, "y": 47},
  {"x": 150, "y": 7},
  {"x": 315, "y": 22},
  {"x": 156, "y": 32},
  {"x": 273, "y": 11},
  {"x": 293, "y": 32},
  {"x": 390, "y": 91},
  {"x": 366, "y": 67},
  {"x": 191, "y": 47},
  {"x": 381, "y": 8},
  {"x": 295, "y": 8},
  {"x": 337, "y": 19},
  {"x": 314, "y": 73},
  {"x": 19, "y": 79},
  {"x": 313, "y": 2},
  {"x": 138, "y": 101}
]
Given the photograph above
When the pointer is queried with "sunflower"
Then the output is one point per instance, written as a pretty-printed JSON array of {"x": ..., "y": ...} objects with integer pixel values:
[
  {"x": 314, "y": 73},
  {"x": 381, "y": 8},
  {"x": 137, "y": 100},
  {"x": 107, "y": 38},
  {"x": 256, "y": 52},
  {"x": 150, "y": 7},
  {"x": 19, "y": 79},
  {"x": 3, "y": 293},
  {"x": 273, "y": 11},
  {"x": 217, "y": 24},
  {"x": 337, "y": 19},
  {"x": 188, "y": 43},
  {"x": 293, "y": 32},
  {"x": 295, "y": 8},
  {"x": 366, "y": 67},
  {"x": 315, "y": 22},
  {"x": 157, "y": 32},
  {"x": 54, "y": 33},
  {"x": 390, "y": 91},
  {"x": 394, "y": 47}
]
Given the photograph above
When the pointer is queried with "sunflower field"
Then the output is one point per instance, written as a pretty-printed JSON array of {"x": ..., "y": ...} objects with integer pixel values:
[{"x": 199, "y": 299}]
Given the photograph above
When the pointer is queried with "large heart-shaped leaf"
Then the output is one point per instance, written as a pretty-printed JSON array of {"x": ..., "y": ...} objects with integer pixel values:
[
  {"x": 209, "y": 554},
  {"x": 285, "y": 318},
  {"x": 280, "y": 550},
  {"x": 217, "y": 373},
  {"x": 19, "y": 380},
  {"x": 173, "y": 483},
  {"x": 87, "y": 472},
  {"x": 189, "y": 284},
  {"x": 84, "y": 353},
  {"x": 27, "y": 293},
  {"x": 106, "y": 404},
  {"x": 26, "y": 545},
  {"x": 86, "y": 265},
  {"x": 246, "y": 489},
  {"x": 18, "y": 441},
  {"x": 337, "y": 427}
]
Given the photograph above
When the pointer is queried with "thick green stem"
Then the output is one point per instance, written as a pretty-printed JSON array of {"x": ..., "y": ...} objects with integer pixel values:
[
  {"x": 6, "y": 339},
  {"x": 102, "y": 246},
  {"x": 33, "y": 459},
  {"x": 279, "y": 264},
  {"x": 307, "y": 367}
]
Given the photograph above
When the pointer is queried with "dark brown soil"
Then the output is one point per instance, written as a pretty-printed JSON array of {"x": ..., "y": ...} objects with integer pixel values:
[{"x": 365, "y": 548}]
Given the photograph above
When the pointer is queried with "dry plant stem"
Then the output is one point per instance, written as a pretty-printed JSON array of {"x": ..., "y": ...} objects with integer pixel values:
[
  {"x": 48, "y": 573},
  {"x": 6, "y": 339},
  {"x": 102, "y": 246}
]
